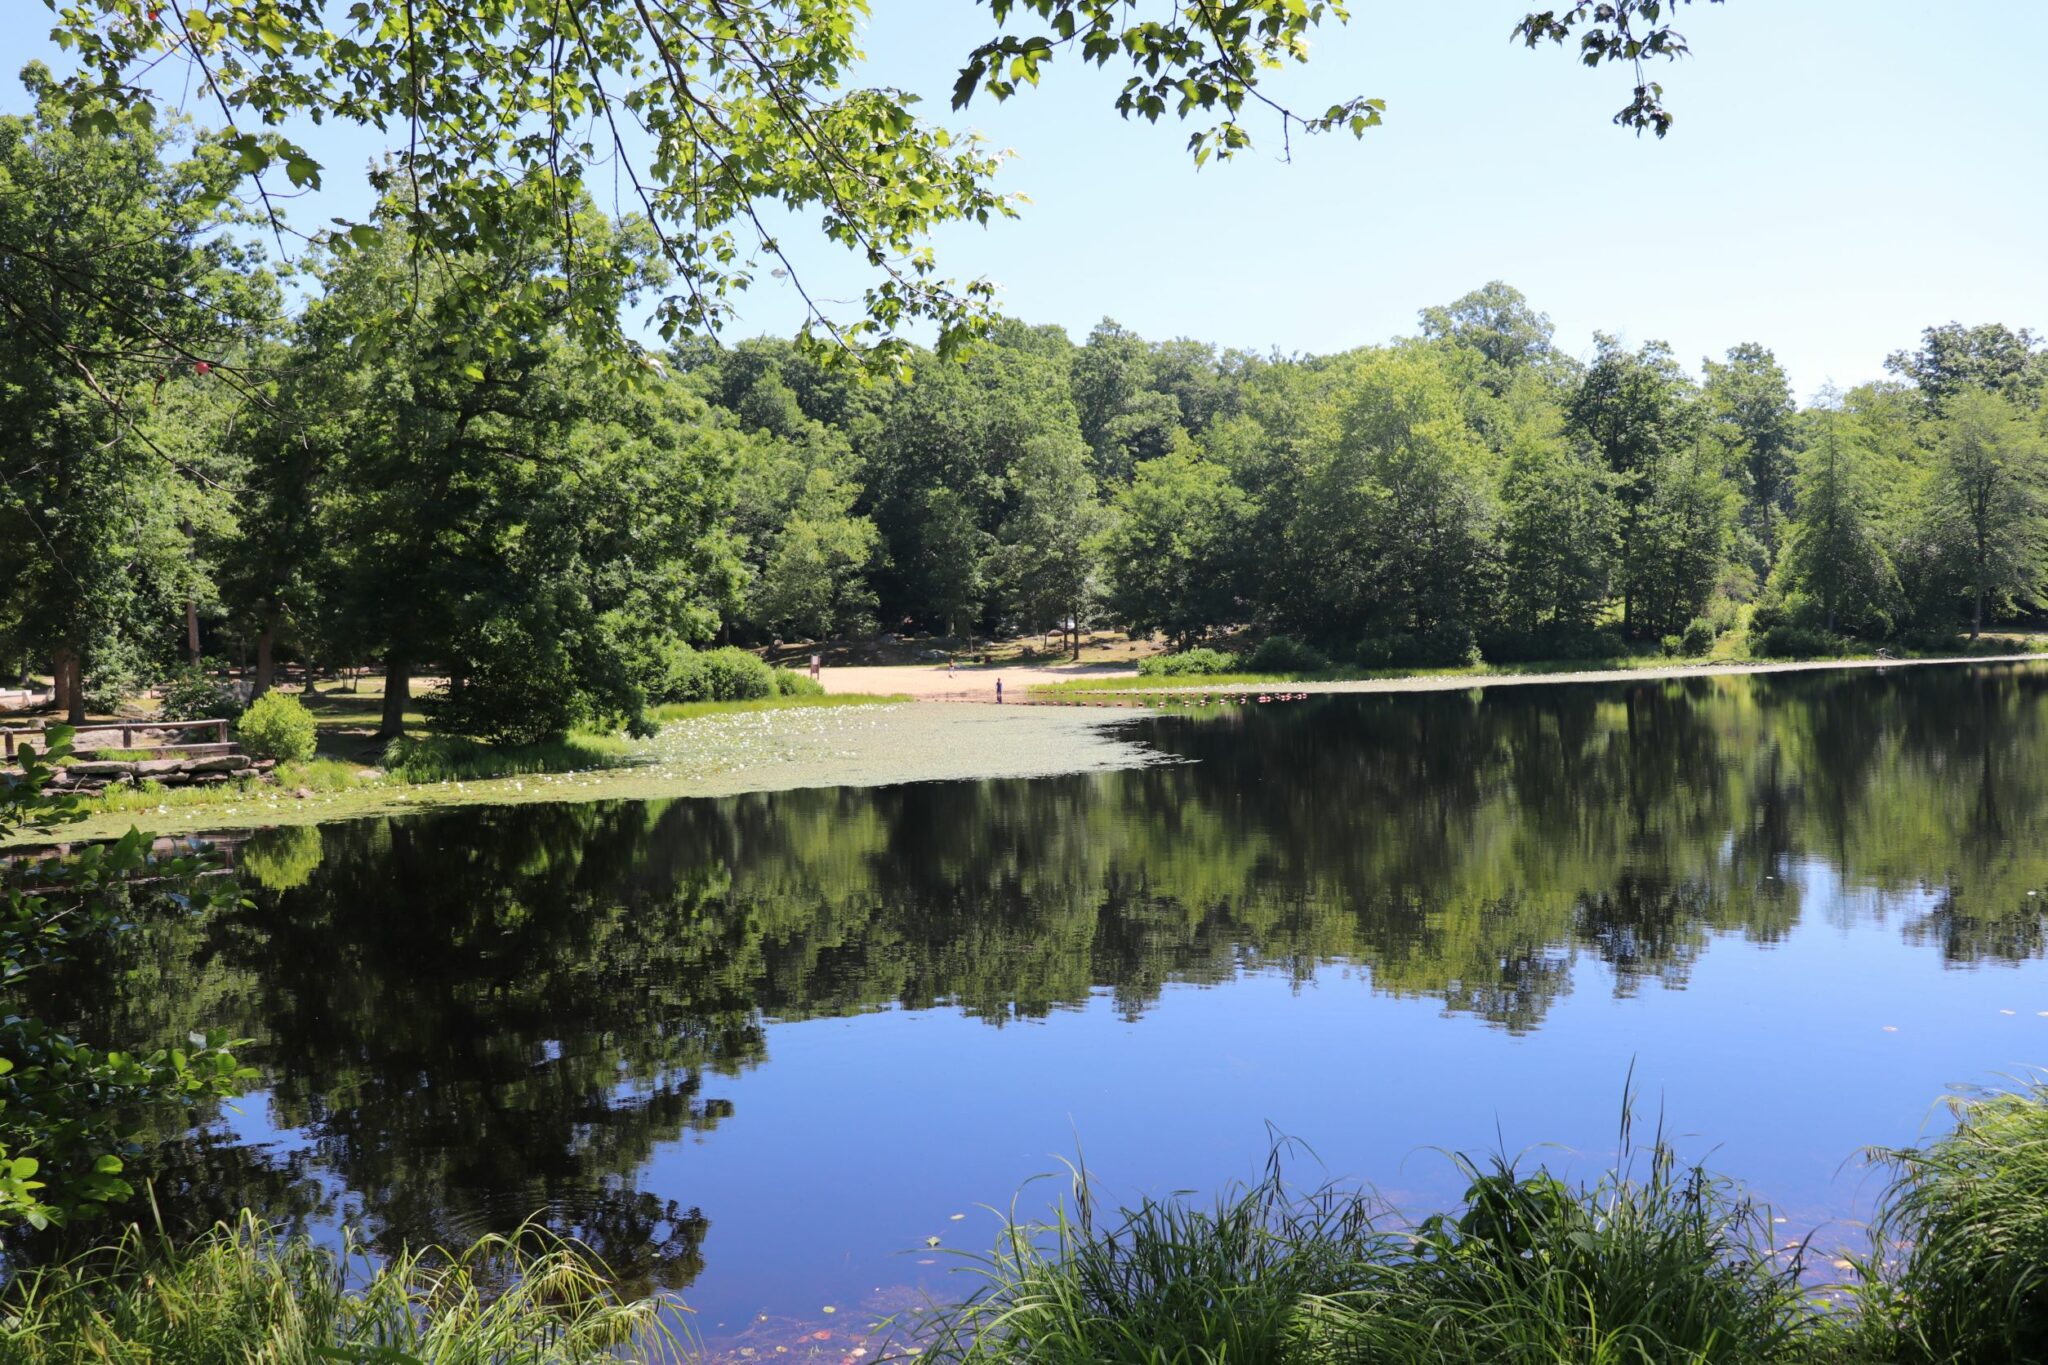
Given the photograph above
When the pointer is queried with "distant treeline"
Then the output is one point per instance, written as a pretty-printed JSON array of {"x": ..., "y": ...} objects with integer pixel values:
[
  {"x": 432, "y": 463},
  {"x": 1470, "y": 487}
]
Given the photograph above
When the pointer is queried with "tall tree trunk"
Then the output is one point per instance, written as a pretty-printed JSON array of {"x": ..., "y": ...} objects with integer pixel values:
[
  {"x": 397, "y": 691},
  {"x": 70, "y": 671},
  {"x": 60, "y": 680},
  {"x": 192, "y": 631},
  {"x": 264, "y": 672}
]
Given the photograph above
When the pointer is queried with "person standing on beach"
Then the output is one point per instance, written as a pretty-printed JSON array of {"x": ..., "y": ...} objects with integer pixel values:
[{"x": 816, "y": 663}]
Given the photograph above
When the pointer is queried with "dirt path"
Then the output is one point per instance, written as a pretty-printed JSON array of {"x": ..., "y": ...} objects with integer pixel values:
[{"x": 929, "y": 682}]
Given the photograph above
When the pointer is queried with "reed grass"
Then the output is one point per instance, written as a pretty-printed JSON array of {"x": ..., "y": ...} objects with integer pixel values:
[
  {"x": 1656, "y": 1261},
  {"x": 1959, "y": 1269},
  {"x": 239, "y": 1296}
]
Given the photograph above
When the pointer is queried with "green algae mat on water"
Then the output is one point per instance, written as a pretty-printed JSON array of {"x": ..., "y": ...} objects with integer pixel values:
[{"x": 717, "y": 755}]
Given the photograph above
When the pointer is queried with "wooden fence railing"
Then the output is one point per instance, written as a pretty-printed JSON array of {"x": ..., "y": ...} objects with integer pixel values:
[{"x": 11, "y": 735}]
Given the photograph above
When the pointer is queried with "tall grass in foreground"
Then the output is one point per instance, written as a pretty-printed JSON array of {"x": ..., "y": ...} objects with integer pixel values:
[
  {"x": 237, "y": 1296},
  {"x": 1671, "y": 1266},
  {"x": 1961, "y": 1270}
]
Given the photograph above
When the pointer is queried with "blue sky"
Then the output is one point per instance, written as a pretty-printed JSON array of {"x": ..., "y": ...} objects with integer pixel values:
[{"x": 1840, "y": 176}]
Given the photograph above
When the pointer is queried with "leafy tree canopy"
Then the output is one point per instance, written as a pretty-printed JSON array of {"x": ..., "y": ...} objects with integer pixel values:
[{"x": 719, "y": 113}]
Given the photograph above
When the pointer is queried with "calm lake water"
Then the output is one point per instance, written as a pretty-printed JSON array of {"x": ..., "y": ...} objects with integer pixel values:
[{"x": 759, "y": 1049}]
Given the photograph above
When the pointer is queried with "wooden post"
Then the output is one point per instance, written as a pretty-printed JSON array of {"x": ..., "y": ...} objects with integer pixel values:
[
  {"x": 128, "y": 737},
  {"x": 220, "y": 730}
]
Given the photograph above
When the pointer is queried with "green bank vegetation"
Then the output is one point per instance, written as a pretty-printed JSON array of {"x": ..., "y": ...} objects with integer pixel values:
[
  {"x": 240, "y": 1294},
  {"x": 1661, "y": 1263},
  {"x": 1208, "y": 669},
  {"x": 1654, "y": 1261},
  {"x": 607, "y": 764}
]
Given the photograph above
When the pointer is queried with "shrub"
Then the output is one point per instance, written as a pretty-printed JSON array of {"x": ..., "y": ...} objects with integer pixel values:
[
  {"x": 193, "y": 692},
  {"x": 1449, "y": 646},
  {"x": 114, "y": 676},
  {"x": 1671, "y": 645},
  {"x": 729, "y": 674},
  {"x": 732, "y": 674},
  {"x": 1190, "y": 663},
  {"x": 1931, "y": 640},
  {"x": 1723, "y": 613},
  {"x": 1442, "y": 646},
  {"x": 279, "y": 727},
  {"x": 1551, "y": 642},
  {"x": 1698, "y": 638},
  {"x": 1285, "y": 654},
  {"x": 791, "y": 683},
  {"x": 1794, "y": 642}
]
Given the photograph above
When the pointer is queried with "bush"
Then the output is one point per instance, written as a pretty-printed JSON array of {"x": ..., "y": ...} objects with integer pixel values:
[
  {"x": 1929, "y": 640},
  {"x": 1190, "y": 663},
  {"x": 733, "y": 674},
  {"x": 1285, "y": 654},
  {"x": 1443, "y": 646},
  {"x": 1698, "y": 638},
  {"x": 1551, "y": 642},
  {"x": 113, "y": 676},
  {"x": 1671, "y": 645},
  {"x": 195, "y": 693},
  {"x": 510, "y": 697},
  {"x": 1723, "y": 613},
  {"x": 683, "y": 674},
  {"x": 1934, "y": 641},
  {"x": 1794, "y": 642},
  {"x": 279, "y": 727},
  {"x": 790, "y": 683}
]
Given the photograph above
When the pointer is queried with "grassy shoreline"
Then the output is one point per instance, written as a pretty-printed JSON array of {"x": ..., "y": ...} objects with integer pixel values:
[
  {"x": 422, "y": 769},
  {"x": 1656, "y": 1259},
  {"x": 723, "y": 752},
  {"x": 726, "y": 748},
  {"x": 1485, "y": 675}
]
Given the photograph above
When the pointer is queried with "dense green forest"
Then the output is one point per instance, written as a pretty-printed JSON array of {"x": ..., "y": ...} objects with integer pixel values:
[{"x": 414, "y": 456}]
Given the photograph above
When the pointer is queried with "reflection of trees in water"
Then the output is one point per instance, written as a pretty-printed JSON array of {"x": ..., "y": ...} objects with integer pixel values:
[{"x": 479, "y": 1015}]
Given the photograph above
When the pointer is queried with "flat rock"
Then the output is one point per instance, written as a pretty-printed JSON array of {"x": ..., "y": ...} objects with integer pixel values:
[{"x": 102, "y": 768}]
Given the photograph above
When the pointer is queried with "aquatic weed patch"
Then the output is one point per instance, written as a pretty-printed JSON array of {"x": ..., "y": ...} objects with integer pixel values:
[{"x": 721, "y": 753}]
